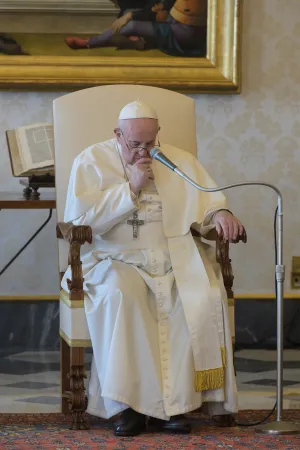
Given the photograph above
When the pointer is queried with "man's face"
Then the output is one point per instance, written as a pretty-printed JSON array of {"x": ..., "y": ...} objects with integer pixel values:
[{"x": 136, "y": 138}]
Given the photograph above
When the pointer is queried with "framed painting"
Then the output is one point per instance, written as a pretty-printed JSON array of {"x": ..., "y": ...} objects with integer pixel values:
[{"x": 184, "y": 45}]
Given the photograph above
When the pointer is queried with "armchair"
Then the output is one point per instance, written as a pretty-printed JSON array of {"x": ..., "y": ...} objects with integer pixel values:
[{"x": 81, "y": 119}]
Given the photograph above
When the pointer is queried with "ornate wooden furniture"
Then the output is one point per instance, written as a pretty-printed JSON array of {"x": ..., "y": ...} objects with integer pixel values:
[
  {"x": 81, "y": 119},
  {"x": 14, "y": 200}
]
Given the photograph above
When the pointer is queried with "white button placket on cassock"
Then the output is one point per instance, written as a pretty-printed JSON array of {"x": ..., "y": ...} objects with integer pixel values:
[
  {"x": 163, "y": 299},
  {"x": 161, "y": 296}
]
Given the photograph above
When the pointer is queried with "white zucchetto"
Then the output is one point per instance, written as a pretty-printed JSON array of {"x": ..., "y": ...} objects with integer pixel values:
[{"x": 138, "y": 110}]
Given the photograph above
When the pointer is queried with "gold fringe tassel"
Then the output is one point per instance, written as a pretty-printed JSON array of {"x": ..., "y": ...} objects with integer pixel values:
[
  {"x": 223, "y": 355},
  {"x": 211, "y": 379}
]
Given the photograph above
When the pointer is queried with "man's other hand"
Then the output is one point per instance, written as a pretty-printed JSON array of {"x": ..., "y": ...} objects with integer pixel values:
[{"x": 228, "y": 226}]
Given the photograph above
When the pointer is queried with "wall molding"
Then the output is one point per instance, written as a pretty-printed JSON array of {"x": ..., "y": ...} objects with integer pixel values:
[
  {"x": 12, "y": 298},
  {"x": 104, "y": 7},
  {"x": 53, "y": 297},
  {"x": 267, "y": 296}
]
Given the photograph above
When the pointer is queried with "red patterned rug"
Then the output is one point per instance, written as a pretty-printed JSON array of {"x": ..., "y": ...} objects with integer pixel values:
[{"x": 51, "y": 431}]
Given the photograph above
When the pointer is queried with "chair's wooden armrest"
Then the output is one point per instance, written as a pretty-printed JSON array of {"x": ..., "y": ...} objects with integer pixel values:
[
  {"x": 77, "y": 235},
  {"x": 72, "y": 233},
  {"x": 212, "y": 235}
]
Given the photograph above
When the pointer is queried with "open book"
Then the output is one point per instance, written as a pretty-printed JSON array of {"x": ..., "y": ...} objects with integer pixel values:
[{"x": 31, "y": 150}]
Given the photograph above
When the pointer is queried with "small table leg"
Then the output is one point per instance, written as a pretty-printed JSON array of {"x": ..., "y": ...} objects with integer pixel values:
[
  {"x": 27, "y": 243},
  {"x": 35, "y": 195},
  {"x": 27, "y": 193}
]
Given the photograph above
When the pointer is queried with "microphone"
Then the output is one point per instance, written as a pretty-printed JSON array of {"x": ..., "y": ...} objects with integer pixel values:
[
  {"x": 155, "y": 153},
  {"x": 279, "y": 425}
]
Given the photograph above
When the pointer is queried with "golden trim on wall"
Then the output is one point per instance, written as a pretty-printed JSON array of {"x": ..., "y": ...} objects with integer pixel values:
[
  {"x": 85, "y": 343},
  {"x": 47, "y": 298},
  {"x": 29, "y": 298},
  {"x": 219, "y": 72},
  {"x": 64, "y": 297}
]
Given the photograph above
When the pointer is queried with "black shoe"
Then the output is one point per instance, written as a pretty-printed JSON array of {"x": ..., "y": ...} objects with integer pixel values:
[
  {"x": 131, "y": 423},
  {"x": 176, "y": 424}
]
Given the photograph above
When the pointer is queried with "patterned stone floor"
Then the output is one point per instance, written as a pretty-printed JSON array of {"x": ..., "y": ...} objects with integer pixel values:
[{"x": 29, "y": 382}]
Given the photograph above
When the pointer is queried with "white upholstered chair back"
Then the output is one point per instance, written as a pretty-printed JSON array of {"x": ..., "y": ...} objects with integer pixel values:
[{"x": 90, "y": 115}]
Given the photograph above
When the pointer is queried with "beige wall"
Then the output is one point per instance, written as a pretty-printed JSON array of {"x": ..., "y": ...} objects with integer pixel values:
[{"x": 254, "y": 136}]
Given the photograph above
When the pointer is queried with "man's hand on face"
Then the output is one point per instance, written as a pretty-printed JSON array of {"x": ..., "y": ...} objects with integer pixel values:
[
  {"x": 140, "y": 175},
  {"x": 228, "y": 226}
]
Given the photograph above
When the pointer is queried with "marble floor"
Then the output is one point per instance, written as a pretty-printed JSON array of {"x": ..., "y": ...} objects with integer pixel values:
[{"x": 29, "y": 381}]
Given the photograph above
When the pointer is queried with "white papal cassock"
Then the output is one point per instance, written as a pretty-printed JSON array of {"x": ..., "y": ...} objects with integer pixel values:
[{"x": 137, "y": 308}]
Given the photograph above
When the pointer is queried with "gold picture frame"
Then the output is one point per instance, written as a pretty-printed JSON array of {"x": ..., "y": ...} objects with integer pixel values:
[{"x": 219, "y": 72}]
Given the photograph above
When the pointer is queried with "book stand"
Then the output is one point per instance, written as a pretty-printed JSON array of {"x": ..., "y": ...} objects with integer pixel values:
[{"x": 34, "y": 182}]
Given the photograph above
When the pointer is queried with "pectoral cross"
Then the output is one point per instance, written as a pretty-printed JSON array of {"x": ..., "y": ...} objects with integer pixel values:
[{"x": 136, "y": 223}]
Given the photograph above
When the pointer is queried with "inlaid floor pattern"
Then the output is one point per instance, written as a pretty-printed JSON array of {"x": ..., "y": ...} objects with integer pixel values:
[{"x": 29, "y": 381}]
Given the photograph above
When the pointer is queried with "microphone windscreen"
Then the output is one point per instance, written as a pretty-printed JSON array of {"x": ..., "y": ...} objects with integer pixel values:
[
  {"x": 157, "y": 154},
  {"x": 154, "y": 151}
]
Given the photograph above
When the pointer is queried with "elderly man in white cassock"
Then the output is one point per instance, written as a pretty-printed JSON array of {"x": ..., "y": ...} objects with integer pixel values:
[{"x": 155, "y": 306}]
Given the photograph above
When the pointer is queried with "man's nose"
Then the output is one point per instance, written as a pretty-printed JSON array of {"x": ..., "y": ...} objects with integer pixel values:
[{"x": 143, "y": 152}]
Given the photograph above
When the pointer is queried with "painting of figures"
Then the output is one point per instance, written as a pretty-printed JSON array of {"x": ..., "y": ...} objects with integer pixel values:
[
  {"x": 171, "y": 27},
  {"x": 130, "y": 34}
]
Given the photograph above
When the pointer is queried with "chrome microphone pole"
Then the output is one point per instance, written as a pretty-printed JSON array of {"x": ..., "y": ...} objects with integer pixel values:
[{"x": 278, "y": 427}]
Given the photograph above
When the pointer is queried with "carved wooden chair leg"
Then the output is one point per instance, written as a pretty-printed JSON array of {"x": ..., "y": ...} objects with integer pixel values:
[
  {"x": 222, "y": 256},
  {"x": 77, "y": 398},
  {"x": 65, "y": 364}
]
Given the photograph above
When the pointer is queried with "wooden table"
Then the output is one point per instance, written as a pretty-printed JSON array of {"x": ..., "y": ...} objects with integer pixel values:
[{"x": 15, "y": 200}]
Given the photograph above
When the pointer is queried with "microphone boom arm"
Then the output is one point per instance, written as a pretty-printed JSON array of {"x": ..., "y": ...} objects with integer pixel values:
[
  {"x": 279, "y": 426},
  {"x": 246, "y": 183}
]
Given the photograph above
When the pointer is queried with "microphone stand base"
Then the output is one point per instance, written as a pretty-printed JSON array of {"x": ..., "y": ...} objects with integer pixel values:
[{"x": 278, "y": 428}]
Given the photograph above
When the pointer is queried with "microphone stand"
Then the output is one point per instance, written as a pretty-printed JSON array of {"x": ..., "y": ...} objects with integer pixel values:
[{"x": 278, "y": 427}]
